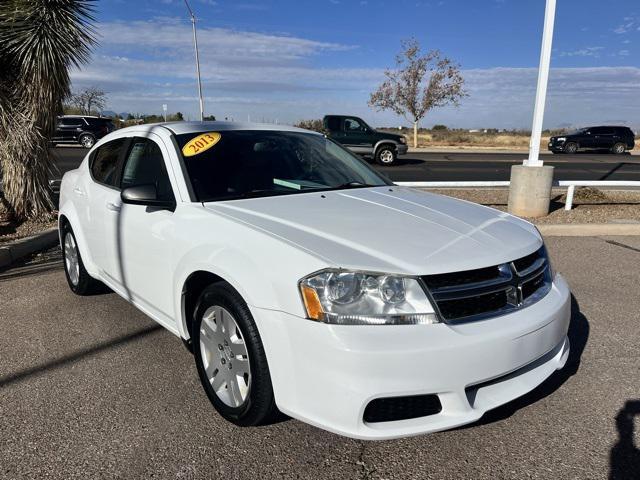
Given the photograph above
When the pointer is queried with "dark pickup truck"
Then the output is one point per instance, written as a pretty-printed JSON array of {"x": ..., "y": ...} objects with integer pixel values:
[{"x": 353, "y": 133}]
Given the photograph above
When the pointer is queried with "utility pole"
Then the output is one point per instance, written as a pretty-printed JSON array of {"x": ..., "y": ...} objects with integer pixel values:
[
  {"x": 531, "y": 182},
  {"x": 195, "y": 45},
  {"x": 541, "y": 91}
]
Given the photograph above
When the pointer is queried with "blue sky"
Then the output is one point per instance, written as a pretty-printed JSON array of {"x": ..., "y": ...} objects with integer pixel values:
[{"x": 289, "y": 60}]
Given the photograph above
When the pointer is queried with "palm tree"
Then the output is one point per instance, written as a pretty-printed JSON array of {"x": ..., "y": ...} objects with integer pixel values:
[{"x": 39, "y": 41}]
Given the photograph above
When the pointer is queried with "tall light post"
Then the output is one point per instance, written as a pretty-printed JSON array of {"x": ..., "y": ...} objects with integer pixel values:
[
  {"x": 541, "y": 91},
  {"x": 530, "y": 186},
  {"x": 195, "y": 45}
]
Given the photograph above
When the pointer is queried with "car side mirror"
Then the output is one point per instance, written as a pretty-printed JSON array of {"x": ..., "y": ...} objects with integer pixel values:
[{"x": 145, "y": 195}]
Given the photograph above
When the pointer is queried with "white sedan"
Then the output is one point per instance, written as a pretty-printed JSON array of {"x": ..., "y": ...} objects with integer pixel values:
[{"x": 305, "y": 282}]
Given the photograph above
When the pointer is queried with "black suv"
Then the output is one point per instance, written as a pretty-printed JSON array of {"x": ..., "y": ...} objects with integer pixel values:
[
  {"x": 85, "y": 130},
  {"x": 615, "y": 139},
  {"x": 357, "y": 136}
]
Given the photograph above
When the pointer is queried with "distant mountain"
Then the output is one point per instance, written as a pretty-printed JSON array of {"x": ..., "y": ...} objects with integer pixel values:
[{"x": 108, "y": 113}]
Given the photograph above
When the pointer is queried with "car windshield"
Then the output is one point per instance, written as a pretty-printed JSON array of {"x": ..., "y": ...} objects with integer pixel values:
[
  {"x": 580, "y": 131},
  {"x": 236, "y": 164}
]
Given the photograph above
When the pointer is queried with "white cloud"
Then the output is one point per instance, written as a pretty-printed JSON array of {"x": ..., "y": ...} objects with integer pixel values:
[
  {"x": 145, "y": 64},
  {"x": 584, "y": 52}
]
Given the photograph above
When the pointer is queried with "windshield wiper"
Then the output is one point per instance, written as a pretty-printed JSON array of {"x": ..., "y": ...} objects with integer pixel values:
[{"x": 353, "y": 185}]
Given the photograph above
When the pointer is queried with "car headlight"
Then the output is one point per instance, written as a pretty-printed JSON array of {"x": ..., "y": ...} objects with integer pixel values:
[
  {"x": 561, "y": 139},
  {"x": 402, "y": 140},
  {"x": 363, "y": 298}
]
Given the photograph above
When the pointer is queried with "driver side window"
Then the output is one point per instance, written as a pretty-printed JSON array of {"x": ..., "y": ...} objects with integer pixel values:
[
  {"x": 145, "y": 165},
  {"x": 352, "y": 125}
]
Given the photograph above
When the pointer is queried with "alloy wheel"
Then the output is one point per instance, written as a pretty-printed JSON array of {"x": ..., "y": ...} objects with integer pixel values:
[
  {"x": 386, "y": 156},
  {"x": 224, "y": 356},
  {"x": 87, "y": 141},
  {"x": 71, "y": 259}
]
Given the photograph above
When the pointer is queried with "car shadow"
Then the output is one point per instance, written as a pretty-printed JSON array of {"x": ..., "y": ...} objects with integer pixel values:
[
  {"x": 624, "y": 459},
  {"x": 578, "y": 336}
]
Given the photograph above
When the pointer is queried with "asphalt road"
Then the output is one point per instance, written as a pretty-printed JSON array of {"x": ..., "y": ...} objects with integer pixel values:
[
  {"x": 462, "y": 166},
  {"x": 91, "y": 388}
]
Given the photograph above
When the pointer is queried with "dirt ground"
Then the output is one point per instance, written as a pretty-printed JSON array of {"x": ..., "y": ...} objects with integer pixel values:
[{"x": 590, "y": 205}]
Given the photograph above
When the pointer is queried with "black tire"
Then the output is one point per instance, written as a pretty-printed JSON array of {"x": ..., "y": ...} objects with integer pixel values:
[
  {"x": 619, "y": 148},
  {"x": 87, "y": 140},
  {"x": 570, "y": 147},
  {"x": 85, "y": 284},
  {"x": 386, "y": 155},
  {"x": 259, "y": 407}
]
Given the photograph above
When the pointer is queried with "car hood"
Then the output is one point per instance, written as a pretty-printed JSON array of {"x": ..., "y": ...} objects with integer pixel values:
[{"x": 389, "y": 229}]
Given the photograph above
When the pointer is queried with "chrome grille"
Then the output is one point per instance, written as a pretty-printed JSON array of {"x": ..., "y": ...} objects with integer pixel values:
[{"x": 491, "y": 291}]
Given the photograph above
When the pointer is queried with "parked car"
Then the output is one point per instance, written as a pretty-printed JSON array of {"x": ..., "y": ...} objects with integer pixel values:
[
  {"x": 83, "y": 129},
  {"x": 615, "y": 139},
  {"x": 360, "y": 138},
  {"x": 273, "y": 253}
]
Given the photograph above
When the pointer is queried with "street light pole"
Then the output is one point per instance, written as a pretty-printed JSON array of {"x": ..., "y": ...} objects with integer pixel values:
[
  {"x": 541, "y": 91},
  {"x": 531, "y": 182},
  {"x": 195, "y": 45}
]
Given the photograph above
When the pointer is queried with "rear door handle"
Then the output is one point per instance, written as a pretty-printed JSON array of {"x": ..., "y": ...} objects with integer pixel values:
[
  {"x": 113, "y": 207},
  {"x": 78, "y": 191}
]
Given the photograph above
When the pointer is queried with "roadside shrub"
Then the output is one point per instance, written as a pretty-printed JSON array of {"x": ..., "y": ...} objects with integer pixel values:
[
  {"x": 439, "y": 127},
  {"x": 315, "y": 125}
]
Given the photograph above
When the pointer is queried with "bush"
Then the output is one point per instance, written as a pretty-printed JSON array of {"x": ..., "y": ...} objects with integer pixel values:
[
  {"x": 315, "y": 125},
  {"x": 439, "y": 127}
]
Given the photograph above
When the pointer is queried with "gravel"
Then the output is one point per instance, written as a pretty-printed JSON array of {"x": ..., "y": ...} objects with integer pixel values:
[{"x": 590, "y": 205}]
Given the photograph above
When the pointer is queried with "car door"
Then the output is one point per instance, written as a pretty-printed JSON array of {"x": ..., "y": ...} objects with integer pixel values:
[
  {"x": 603, "y": 137},
  {"x": 587, "y": 138},
  {"x": 103, "y": 198},
  {"x": 70, "y": 128},
  {"x": 357, "y": 136},
  {"x": 142, "y": 238}
]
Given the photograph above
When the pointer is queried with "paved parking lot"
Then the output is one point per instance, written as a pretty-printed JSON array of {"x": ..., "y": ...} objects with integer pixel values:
[{"x": 91, "y": 388}]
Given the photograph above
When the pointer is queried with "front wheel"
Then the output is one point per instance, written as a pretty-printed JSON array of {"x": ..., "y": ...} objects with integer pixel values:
[
  {"x": 80, "y": 282},
  {"x": 619, "y": 148},
  {"x": 386, "y": 155},
  {"x": 230, "y": 357},
  {"x": 571, "y": 147}
]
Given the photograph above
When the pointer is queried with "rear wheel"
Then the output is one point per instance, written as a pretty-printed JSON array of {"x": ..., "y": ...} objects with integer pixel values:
[
  {"x": 619, "y": 148},
  {"x": 386, "y": 155},
  {"x": 230, "y": 357},
  {"x": 87, "y": 141},
  {"x": 80, "y": 282},
  {"x": 571, "y": 147}
]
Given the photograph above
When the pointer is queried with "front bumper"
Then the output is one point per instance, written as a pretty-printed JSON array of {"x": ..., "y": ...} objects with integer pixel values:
[
  {"x": 556, "y": 146},
  {"x": 326, "y": 375}
]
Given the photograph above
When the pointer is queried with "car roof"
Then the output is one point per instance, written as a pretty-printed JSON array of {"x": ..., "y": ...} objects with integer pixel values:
[
  {"x": 179, "y": 128},
  {"x": 607, "y": 126}
]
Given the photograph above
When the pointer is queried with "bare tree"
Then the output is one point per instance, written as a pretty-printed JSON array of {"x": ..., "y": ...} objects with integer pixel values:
[
  {"x": 419, "y": 83},
  {"x": 88, "y": 101}
]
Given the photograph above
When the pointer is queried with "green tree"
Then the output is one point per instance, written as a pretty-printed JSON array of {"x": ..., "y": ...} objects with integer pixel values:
[{"x": 39, "y": 41}]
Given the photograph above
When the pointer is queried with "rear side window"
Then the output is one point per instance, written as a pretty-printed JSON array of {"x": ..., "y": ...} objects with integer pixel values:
[
  {"x": 106, "y": 162},
  {"x": 68, "y": 122},
  {"x": 145, "y": 166}
]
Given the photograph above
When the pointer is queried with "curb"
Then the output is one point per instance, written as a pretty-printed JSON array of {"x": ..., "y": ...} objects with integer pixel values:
[
  {"x": 13, "y": 251},
  {"x": 589, "y": 229}
]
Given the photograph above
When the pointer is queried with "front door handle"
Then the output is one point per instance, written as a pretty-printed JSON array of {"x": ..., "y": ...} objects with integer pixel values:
[
  {"x": 114, "y": 207},
  {"x": 78, "y": 191}
]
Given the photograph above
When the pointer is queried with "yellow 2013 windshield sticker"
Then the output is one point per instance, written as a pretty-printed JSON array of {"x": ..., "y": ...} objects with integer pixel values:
[{"x": 200, "y": 143}]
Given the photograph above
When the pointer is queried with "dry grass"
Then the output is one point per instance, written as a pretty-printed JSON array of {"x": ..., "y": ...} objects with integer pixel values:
[{"x": 465, "y": 139}]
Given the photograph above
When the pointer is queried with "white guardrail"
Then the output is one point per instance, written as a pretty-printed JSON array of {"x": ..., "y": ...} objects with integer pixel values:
[{"x": 570, "y": 184}]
